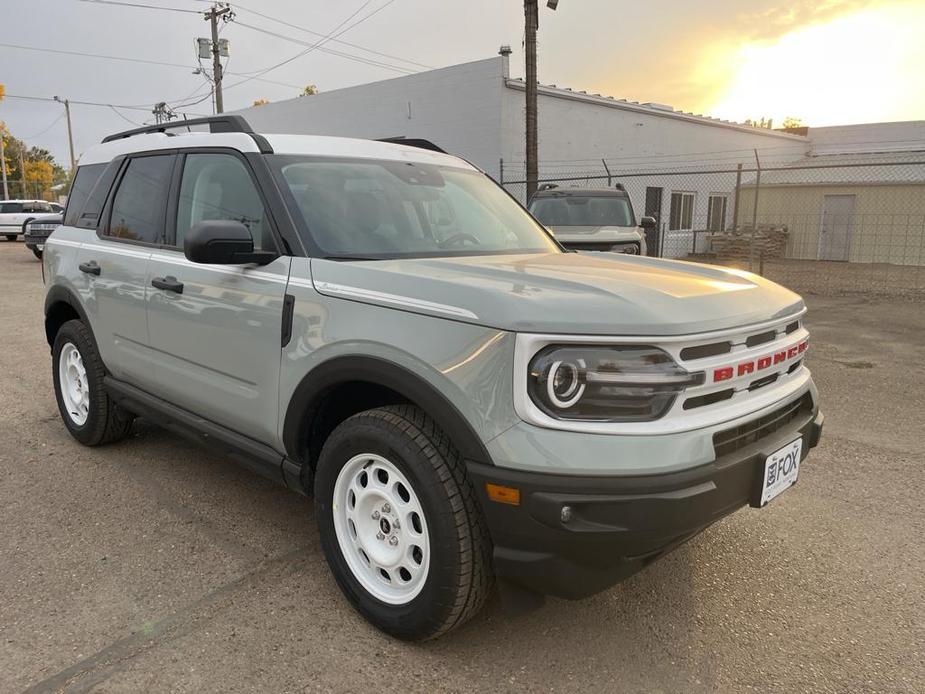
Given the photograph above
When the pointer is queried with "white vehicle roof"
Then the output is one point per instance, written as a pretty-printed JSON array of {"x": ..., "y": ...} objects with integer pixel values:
[
  {"x": 309, "y": 145},
  {"x": 24, "y": 200}
]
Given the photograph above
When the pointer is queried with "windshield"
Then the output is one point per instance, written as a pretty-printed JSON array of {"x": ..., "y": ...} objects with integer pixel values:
[
  {"x": 583, "y": 211},
  {"x": 370, "y": 209}
]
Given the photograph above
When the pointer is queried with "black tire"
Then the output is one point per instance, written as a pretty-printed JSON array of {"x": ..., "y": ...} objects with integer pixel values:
[
  {"x": 106, "y": 421},
  {"x": 37, "y": 253},
  {"x": 459, "y": 576},
  {"x": 11, "y": 237}
]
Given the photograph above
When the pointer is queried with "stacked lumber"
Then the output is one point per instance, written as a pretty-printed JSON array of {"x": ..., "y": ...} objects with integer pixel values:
[{"x": 769, "y": 241}]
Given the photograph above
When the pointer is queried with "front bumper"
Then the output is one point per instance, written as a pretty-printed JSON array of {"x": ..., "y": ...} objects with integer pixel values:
[
  {"x": 35, "y": 239},
  {"x": 618, "y": 525}
]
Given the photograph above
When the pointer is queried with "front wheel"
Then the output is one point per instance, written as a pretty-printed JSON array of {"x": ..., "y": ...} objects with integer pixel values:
[
  {"x": 86, "y": 409},
  {"x": 37, "y": 253},
  {"x": 399, "y": 523}
]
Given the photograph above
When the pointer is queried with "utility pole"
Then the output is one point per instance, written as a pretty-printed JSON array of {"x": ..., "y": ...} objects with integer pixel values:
[
  {"x": 70, "y": 133},
  {"x": 22, "y": 174},
  {"x": 212, "y": 16},
  {"x": 6, "y": 192},
  {"x": 531, "y": 24}
]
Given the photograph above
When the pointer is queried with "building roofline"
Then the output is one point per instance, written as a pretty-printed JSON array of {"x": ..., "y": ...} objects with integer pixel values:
[{"x": 659, "y": 111}]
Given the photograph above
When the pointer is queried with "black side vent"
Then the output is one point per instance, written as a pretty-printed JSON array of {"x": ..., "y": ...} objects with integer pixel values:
[
  {"x": 708, "y": 399},
  {"x": 704, "y": 351},
  {"x": 792, "y": 327},
  {"x": 731, "y": 440},
  {"x": 761, "y": 338}
]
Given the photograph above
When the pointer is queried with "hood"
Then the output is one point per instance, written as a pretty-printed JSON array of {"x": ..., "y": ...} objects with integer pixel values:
[
  {"x": 599, "y": 233},
  {"x": 599, "y": 294}
]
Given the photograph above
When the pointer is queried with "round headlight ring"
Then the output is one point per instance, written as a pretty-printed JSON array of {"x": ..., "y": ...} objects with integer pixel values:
[{"x": 571, "y": 374}]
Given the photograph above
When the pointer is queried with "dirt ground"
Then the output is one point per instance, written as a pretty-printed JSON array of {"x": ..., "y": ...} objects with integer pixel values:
[{"x": 154, "y": 565}]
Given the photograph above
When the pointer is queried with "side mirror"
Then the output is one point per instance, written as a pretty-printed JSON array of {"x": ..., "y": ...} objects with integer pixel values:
[
  {"x": 648, "y": 222},
  {"x": 223, "y": 242}
]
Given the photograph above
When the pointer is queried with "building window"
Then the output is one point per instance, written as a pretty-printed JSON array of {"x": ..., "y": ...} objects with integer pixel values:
[
  {"x": 716, "y": 213},
  {"x": 682, "y": 212}
]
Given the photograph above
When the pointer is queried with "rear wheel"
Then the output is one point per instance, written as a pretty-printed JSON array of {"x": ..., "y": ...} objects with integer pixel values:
[
  {"x": 86, "y": 409},
  {"x": 399, "y": 523}
]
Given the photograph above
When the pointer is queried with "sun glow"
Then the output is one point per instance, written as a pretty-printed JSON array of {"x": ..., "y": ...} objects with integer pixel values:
[{"x": 863, "y": 67}]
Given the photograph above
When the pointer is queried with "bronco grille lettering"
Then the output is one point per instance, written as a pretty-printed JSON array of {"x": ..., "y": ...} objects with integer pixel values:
[{"x": 744, "y": 368}]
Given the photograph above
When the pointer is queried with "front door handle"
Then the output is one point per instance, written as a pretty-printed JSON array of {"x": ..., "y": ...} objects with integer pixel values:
[
  {"x": 91, "y": 267},
  {"x": 168, "y": 283}
]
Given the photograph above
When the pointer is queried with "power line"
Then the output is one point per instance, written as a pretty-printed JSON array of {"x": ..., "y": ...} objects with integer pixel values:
[
  {"x": 131, "y": 60},
  {"x": 127, "y": 120},
  {"x": 45, "y": 130},
  {"x": 333, "y": 40},
  {"x": 321, "y": 42},
  {"x": 139, "y": 5},
  {"x": 360, "y": 59},
  {"x": 87, "y": 103}
]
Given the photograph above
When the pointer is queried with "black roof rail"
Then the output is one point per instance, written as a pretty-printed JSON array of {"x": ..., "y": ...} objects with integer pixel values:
[
  {"x": 217, "y": 124},
  {"x": 414, "y": 142}
]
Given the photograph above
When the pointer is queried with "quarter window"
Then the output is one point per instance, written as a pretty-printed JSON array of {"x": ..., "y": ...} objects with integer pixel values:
[
  {"x": 138, "y": 206},
  {"x": 218, "y": 186},
  {"x": 682, "y": 212}
]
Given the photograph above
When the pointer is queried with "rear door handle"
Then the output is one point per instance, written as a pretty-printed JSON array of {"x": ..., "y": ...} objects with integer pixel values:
[
  {"x": 90, "y": 267},
  {"x": 168, "y": 283}
]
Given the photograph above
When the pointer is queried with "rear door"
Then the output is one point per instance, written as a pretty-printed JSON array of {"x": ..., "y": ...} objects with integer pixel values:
[
  {"x": 216, "y": 333},
  {"x": 837, "y": 227},
  {"x": 113, "y": 265}
]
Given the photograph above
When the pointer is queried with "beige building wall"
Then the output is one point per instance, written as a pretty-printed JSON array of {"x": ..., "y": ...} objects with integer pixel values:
[{"x": 889, "y": 219}]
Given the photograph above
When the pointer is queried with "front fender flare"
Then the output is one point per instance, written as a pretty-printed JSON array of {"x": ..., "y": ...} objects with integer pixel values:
[{"x": 411, "y": 386}]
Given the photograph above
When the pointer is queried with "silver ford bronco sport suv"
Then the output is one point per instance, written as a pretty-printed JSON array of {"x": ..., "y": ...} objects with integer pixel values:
[{"x": 384, "y": 328}]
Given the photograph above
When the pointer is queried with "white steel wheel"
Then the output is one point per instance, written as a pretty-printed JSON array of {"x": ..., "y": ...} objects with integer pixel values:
[
  {"x": 381, "y": 530},
  {"x": 72, "y": 378}
]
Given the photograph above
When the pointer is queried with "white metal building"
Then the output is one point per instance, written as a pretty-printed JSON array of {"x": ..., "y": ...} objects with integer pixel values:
[{"x": 476, "y": 110}]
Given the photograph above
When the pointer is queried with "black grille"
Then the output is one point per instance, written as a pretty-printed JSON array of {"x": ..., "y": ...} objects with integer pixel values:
[
  {"x": 602, "y": 247},
  {"x": 704, "y": 351},
  {"x": 731, "y": 440},
  {"x": 761, "y": 338}
]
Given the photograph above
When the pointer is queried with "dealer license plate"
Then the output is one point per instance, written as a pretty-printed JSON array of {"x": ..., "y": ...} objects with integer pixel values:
[{"x": 780, "y": 471}]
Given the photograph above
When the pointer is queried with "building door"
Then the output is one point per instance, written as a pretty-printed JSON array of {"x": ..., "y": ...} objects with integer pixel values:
[
  {"x": 837, "y": 227},
  {"x": 653, "y": 209}
]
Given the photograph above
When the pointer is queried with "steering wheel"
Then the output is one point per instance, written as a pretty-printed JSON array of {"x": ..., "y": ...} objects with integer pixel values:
[{"x": 459, "y": 240}]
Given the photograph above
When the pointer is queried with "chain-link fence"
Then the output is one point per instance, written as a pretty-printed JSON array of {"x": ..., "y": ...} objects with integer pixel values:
[
  {"x": 830, "y": 224},
  {"x": 17, "y": 189}
]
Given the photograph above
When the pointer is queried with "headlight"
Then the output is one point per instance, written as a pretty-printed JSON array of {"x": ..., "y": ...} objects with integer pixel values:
[{"x": 597, "y": 383}]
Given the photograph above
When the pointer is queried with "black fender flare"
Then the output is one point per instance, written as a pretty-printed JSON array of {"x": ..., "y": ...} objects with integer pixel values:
[
  {"x": 340, "y": 370},
  {"x": 63, "y": 295}
]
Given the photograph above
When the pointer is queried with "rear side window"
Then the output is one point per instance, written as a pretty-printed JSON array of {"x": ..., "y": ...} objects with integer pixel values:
[
  {"x": 10, "y": 207},
  {"x": 86, "y": 178},
  {"x": 140, "y": 200}
]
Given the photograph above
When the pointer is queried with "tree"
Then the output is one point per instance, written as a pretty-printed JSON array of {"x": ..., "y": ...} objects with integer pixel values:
[
  {"x": 39, "y": 176},
  {"x": 792, "y": 122},
  {"x": 261, "y": 102},
  {"x": 310, "y": 90}
]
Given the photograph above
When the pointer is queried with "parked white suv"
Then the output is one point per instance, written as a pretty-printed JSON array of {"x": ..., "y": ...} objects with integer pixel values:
[{"x": 14, "y": 214}]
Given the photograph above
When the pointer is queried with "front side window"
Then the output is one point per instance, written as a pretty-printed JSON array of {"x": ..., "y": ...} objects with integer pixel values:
[
  {"x": 218, "y": 186},
  {"x": 389, "y": 209},
  {"x": 584, "y": 211},
  {"x": 682, "y": 212},
  {"x": 140, "y": 200}
]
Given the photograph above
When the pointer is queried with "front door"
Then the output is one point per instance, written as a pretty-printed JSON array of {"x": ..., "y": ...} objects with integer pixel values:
[
  {"x": 837, "y": 227},
  {"x": 215, "y": 329}
]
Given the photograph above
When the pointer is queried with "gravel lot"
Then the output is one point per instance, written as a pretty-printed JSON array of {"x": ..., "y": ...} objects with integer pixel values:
[{"x": 155, "y": 565}]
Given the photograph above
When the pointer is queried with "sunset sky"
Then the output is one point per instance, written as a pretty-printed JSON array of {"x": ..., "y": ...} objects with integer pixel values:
[{"x": 826, "y": 62}]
